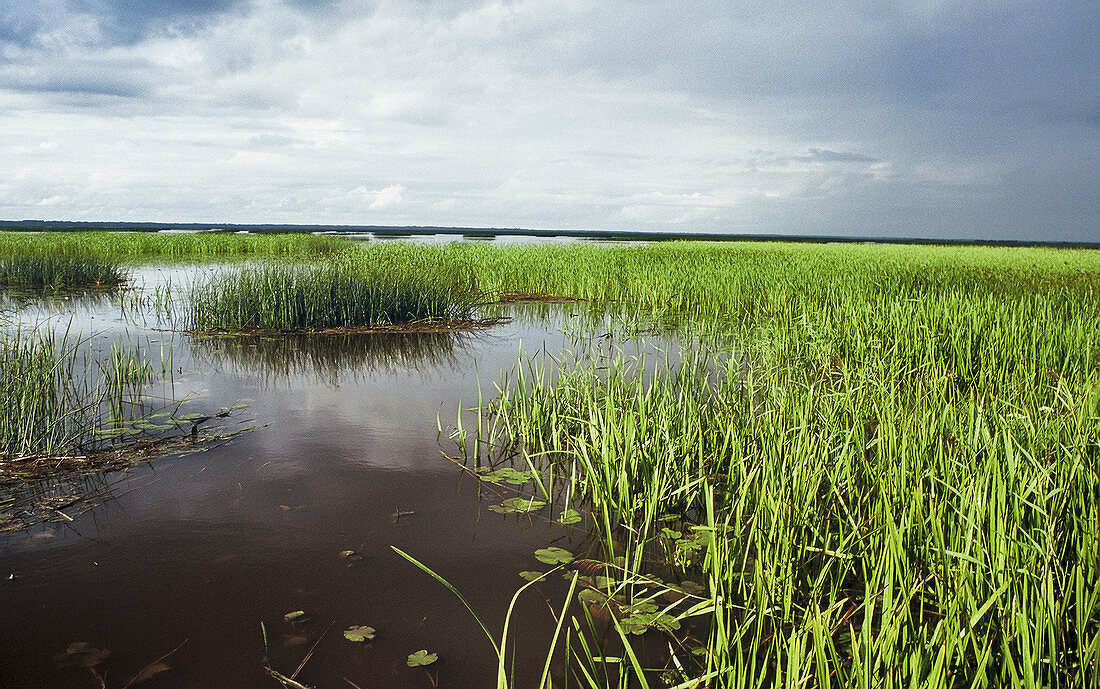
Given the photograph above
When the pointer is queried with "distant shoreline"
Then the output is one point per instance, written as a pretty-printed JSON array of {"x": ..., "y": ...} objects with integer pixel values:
[{"x": 491, "y": 232}]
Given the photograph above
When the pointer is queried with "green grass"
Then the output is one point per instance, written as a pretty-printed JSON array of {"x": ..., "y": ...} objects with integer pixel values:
[
  {"x": 896, "y": 483},
  {"x": 57, "y": 272},
  {"x": 55, "y": 401},
  {"x": 344, "y": 294},
  {"x": 128, "y": 246}
]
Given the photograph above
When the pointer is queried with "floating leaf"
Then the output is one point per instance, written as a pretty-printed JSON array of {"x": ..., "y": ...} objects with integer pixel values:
[
  {"x": 633, "y": 625},
  {"x": 421, "y": 658},
  {"x": 532, "y": 576},
  {"x": 296, "y": 616},
  {"x": 554, "y": 555},
  {"x": 671, "y": 533},
  {"x": 643, "y": 607},
  {"x": 590, "y": 597},
  {"x": 507, "y": 475},
  {"x": 514, "y": 505},
  {"x": 358, "y": 633},
  {"x": 569, "y": 516}
]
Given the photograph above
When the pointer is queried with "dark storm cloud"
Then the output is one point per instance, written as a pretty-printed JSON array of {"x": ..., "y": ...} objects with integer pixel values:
[
  {"x": 32, "y": 23},
  {"x": 918, "y": 118},
  {"x": 89, "y": 86}
]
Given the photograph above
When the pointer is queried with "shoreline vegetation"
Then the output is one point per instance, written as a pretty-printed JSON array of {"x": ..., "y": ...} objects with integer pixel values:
[
  {"x": 480, "y": 233},
  {"x": 892, "y": 480}
]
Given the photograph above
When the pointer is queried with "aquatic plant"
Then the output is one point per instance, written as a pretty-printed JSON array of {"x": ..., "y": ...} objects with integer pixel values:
[
  {"x": 55, "y": 272},
  {"x": 894, "y": 481},
  {"x": 54, "y": 400},
  {"x": 341, "y": 294},
  {"x": 117, "y": 246},
  {"x": 864, "y": 522}
]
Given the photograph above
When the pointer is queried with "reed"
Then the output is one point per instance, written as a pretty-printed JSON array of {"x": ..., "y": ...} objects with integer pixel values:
[
  {"x": 119, "y": 246},
  {"x": 892, "y": 482},
  {"x": 56, "y": 272},
  {"x": 55, "y": 401},
  {"x": 345, "y": 294}
]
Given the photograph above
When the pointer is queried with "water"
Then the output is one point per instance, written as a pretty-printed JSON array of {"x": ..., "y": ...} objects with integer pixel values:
[{"x": 337, "y": 448}]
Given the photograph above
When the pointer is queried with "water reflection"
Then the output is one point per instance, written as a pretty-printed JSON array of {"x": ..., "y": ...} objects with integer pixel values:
[{"x": 325, "y": 358}]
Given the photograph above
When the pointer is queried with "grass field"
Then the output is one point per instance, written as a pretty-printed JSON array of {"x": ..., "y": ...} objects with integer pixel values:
[{"x": 896, "y": 483}]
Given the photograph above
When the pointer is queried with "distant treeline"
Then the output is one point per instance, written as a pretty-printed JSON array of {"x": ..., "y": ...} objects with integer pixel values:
[{"x": 491, "y": 232}]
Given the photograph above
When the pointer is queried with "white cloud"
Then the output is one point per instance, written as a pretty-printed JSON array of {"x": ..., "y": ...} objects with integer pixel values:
[{"x": 390, "y": 196}]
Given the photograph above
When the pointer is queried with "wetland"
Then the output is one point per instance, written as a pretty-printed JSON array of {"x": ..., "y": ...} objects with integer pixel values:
[{"x": 253, "y": 461}]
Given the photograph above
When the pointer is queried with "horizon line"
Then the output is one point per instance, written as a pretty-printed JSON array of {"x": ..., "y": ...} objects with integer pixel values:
[{"x": 489, "y": 232}]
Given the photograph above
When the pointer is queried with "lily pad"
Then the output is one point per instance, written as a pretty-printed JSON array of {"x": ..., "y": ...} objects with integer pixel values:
[
  {"x": 532, "y": 576},
  {"x": 421, "y": 658},
  {"x": 640, "y": 622},
  {"x": 507, "y": 475},
  {"x": 359, "y": 633},
  {"x": 569, "y": 517},
  {"x": 590, "y": 597},
  {"x": 515, "y": 505},
  {"x": 554, "y": 555}
]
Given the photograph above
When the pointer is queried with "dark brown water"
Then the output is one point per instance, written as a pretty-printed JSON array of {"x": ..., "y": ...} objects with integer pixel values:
[{"x": 194, "y": 552}]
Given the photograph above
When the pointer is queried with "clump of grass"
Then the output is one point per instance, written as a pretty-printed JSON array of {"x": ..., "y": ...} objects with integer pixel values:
[
  {"x": 343, "y": 294},
  {"x": 56, "y": 272},
  {"x": 54, "y": 401}
]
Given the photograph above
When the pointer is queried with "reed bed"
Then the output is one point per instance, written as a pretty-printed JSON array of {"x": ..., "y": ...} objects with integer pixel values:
[
  {"x": 119, "y": 246},
  {"x": 895, "y": 483},
  {"x": 343, "y": 294},
  {"x": 55, "y": 401},
  {"x": 57, "y": 272}
]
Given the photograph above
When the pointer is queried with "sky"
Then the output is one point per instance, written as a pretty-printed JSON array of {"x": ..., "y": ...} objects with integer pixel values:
[{"x": 977, "y": 119}]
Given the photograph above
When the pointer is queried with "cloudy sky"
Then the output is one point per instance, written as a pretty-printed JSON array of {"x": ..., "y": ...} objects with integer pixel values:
[{"x": 926, "y": 118}]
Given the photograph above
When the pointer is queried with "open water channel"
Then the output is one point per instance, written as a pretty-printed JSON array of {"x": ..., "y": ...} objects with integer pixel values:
[{"x": 330, "y": 445}]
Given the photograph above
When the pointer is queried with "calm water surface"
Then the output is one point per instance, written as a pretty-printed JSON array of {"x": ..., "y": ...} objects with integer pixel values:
[{"x": 195, "y": 551}]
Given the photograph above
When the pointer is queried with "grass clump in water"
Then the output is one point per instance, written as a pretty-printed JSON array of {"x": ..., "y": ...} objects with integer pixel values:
[
  {"x": 345, "y": 294},
  {"x": 55, "y": 272},
  {"x": 55, "y": 402}
]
